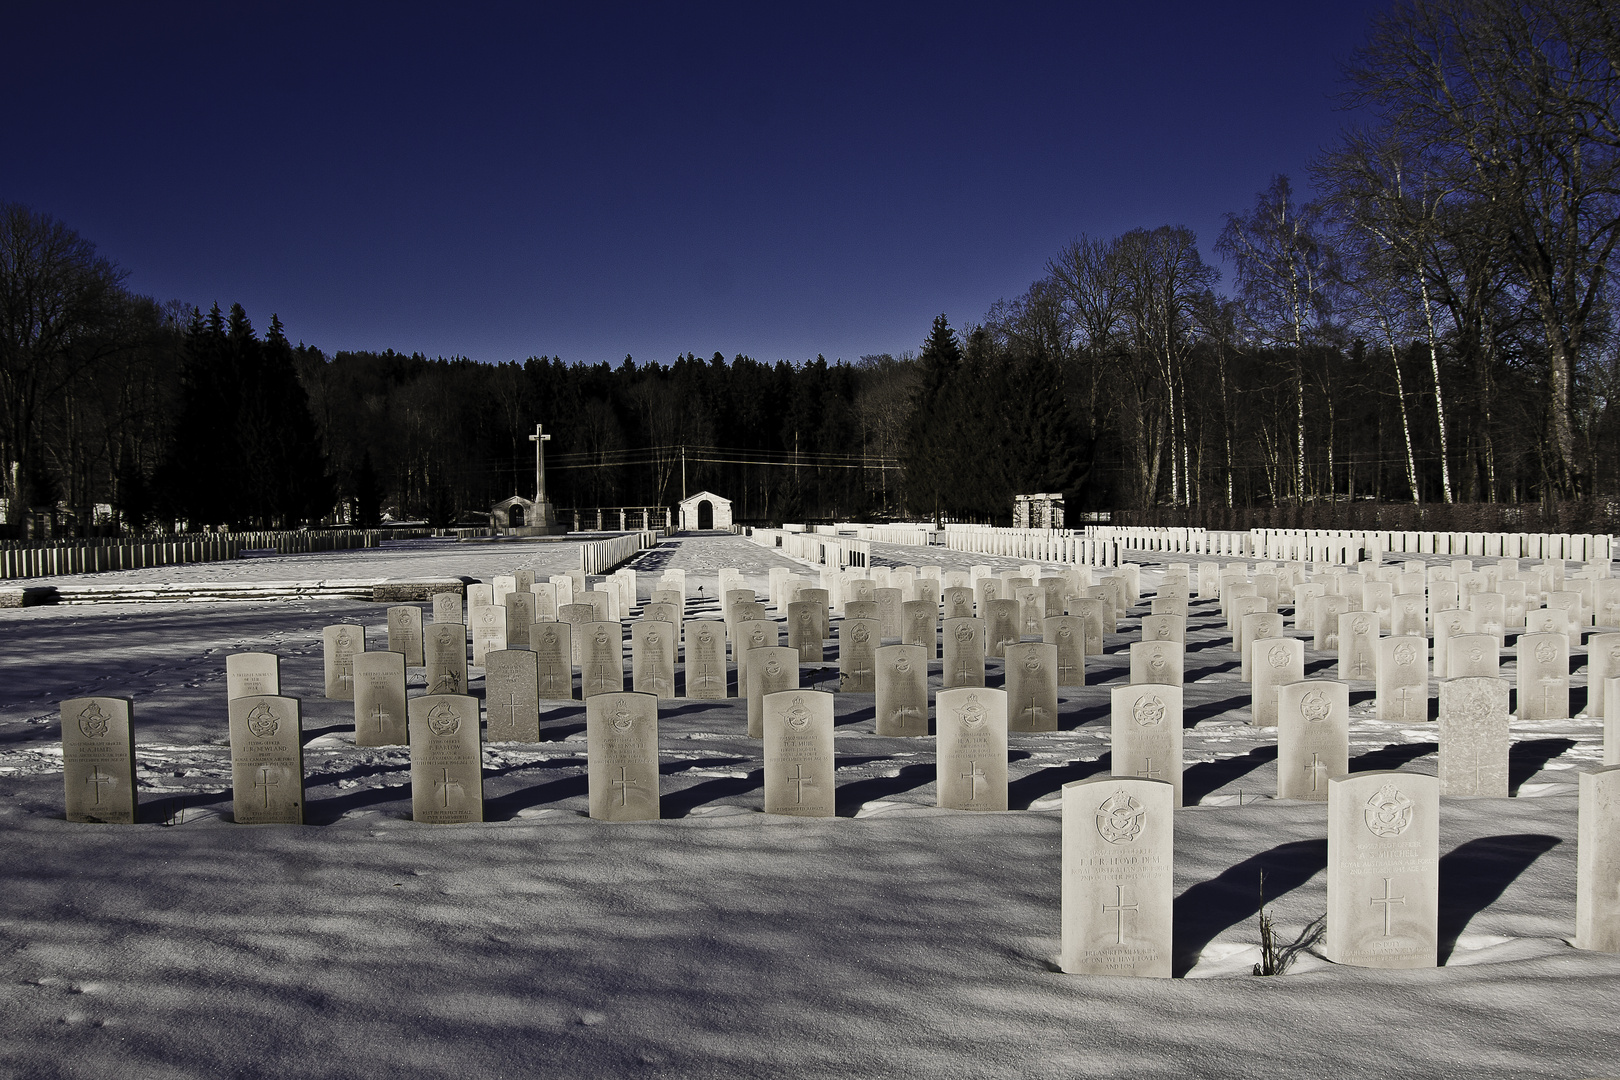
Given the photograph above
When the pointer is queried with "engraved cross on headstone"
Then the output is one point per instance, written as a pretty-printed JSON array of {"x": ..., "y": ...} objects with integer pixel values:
[
  {"x": 1119, "y": 910},
  {"x": 973, "y": 777},
  {"x": 97, "y": 778},
  {"x": 512, "y": 707},
  {"x": 444, "y": 784},
  {"x": 1317, "y": 769},
  {"x": 798, "y": 778},
  {"x": 624, "y": 784},
  {"x": 379, "y": 714},
  {"x": 1149, "y": 771},
  {"x": 1387, "y": 900},
  {"x": 265, "y": 781}
]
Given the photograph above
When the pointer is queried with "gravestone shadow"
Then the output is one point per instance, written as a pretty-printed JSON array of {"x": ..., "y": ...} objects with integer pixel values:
[
  {"x": 1392, "y": 756},
  {"x": 678, "y": 804},
  {"x": 310, "y": 734},
  {"x": 1529, "y": 757},
  {"x": 164, "y": 811},
  {"x": 506, "y": 807},
  {"x": 1082, "y": 716},
  {"x": 1209, "y": 907},
  {"x": 1210, "y": 709},
  {"x": 1042, "y": 782},
  {"x": 1208, "y": 777},
  {"x": 330, "y": 811},
  {"x": 851, "y": 797},
  {"x": 1474, "y": 875}
]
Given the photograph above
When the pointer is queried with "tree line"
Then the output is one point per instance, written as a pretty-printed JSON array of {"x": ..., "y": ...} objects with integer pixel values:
[{"x": 1432, "y": 323}]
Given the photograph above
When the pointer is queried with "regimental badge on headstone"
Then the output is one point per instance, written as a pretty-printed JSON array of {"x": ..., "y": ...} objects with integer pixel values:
[
  {"x": 972, "y": 748},
  {"x": 621, "y": 731},
  {"x": 1383, "y": 869},
  {"x": 1118, "y": 876},
  {"x": 267, "y": 761},
  {"x": 379, "y": 699},
  {"x": 98, "y": 759},
  {"x": 447, "y": 775}
]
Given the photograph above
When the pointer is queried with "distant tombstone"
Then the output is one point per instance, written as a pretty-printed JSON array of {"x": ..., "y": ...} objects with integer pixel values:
[
  {"x": 858, "y": 641},
  {"x": 1001, "y": 630},
  {"x": 652, "y": 658},
  {"x": 1031, "y": 670},
  {"x": 1031, "y": 609},
  {"x": 902, "y": 691},
  {"x": 1090, "y": 609},
  {"x": 964, "y": 652},
  {"x": 1068, "y": 633},
  {"x": 888, "y": 602},
  {"x": 927, "y": 592},
  {"x": 670, "y": 596},
  {"x": 972, "y": 748},
  {"x": 1164, "y": 628},
  {"x": 1325, "y": 621},
  {"x": 601, "y": 658},
  {"x": 862, "y": 609},
  {"x": 1490, "y": 614},
  {"x": 252, "y": 674},
  {"x": 1168, "y": 605},
  {"x": 1549, "y": 621},
  {"x": 523, "y": 580},
  {"x": 1104, "y": 596},
  {"x": 564, "y": 584},
  {"x": 601, "y": 604},
  {"x": 1305, "y": 604},
  {"x": 1470, "y": 656},
  {"x": 1313, "y": 737},
  {"x": 985, "y": 590},
  {"x": 98, "y": 760},
  {"x": 747, "y": 635},
  {"x": 732, "y": 598},
  {"x": 1055, "y": 590},
  {"x": 1276, "y": 662},
  {"x": 447, "y": 768},
  {"x": 1158, "y": 662},
  {"x": 705, "y": 660},
  {"x": 820, "y": 601},
  {"x": 379, "y": 699},
  {"x": 447, "y": 607},
  {"x": 487, "y": 624},
  {"x": 444, "y": 646},
  {"x": 1236, "y": 609},
  {"x": 1147, "y": 733},
  {"x": 576, "y": 615},
  {"x": 958, "y": 602},
  {"x": 1402, "y": 680},
  {"x": 479, "y": 594},
  {"x": 1597, "y": 862},
  {"x": 799, "y": 766},
  {"x": 267, "y": 761},
  {"x": 520, "y": 615},
  {"x": 1358, "y": 641},
  {"x": 340, "y": 642},
  {"x": 512, "y": 695},
  {"x": 1543, "y": 677},
  {"x": 1253, "y": 627},
  {"x": 663, "y": 611},
  {"x": 1602, "y": 664},
  {"x": 803, "y": 632},
  {"x": 1449, "y": 624},
  {"x": 920, "y": 626},
  {"x": 1407, "y": 617},
  {"x": 771, "y": 669},
  {"x": 621, "y": 741},
  {"x": 1118, "y": 880},
  {"x": 860, "y": 589},
  {"x": 501, "y": 587},
  {"x": 1606, "y": 602},
  {"x": 553, "y": 648},
  {"x": 405, "y": 633},
  {"x": 1474, "y": 736},
  {"x": 1383, "y": 869}
]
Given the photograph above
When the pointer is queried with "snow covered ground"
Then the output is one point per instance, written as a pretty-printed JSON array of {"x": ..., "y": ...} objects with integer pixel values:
[{"x": 894, "y": 940}]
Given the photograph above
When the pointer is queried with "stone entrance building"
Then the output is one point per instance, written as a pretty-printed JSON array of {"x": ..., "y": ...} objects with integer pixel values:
[{"x": 705, "y": 510}]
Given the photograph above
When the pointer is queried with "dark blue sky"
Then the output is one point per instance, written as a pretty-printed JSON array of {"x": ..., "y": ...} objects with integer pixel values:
[{"x": 588, "y": 181}]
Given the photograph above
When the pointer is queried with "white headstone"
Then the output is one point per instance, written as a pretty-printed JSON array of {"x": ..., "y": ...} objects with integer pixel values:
[
  {"x": 267, "y": 761},
  {"x": 1597, "y": 856},
  {"x": 1118, "y": 880},
  {"x": 799, "y": 764},
  {"x": 1383, "y": 869},
  {"x": 1031, "y": 683},
  {"x": 971, "y": 748},
  {"x": 1147, "y": 733},
  {"x": 621, "y": 738},
  {"x": 512, "y": 694},
  {"x": 379, "y": 699},
  {"x": 447, "y": 769},
  {"x": 1474, "y": 736},
  {"x": 98, "y": 760},
  {"x": 1313, "y": 737}
]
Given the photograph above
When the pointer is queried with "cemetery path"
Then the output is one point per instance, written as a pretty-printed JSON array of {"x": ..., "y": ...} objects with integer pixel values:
[{"x": 896, "y": 939}]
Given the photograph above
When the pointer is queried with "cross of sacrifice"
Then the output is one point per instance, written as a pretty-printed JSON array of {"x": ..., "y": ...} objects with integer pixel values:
[
  {"x": 624, "y": 784},
  {"x": 1387, "y": 900},
  {"x": 539, "y": 438},
  {"x": 97, "y": 778},
  {"x": 265, "y": 781},
  {"x": 1119, "y": 911},
  {"x": 444, "y": 784},
  {"x": 799, "y": 779}
]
